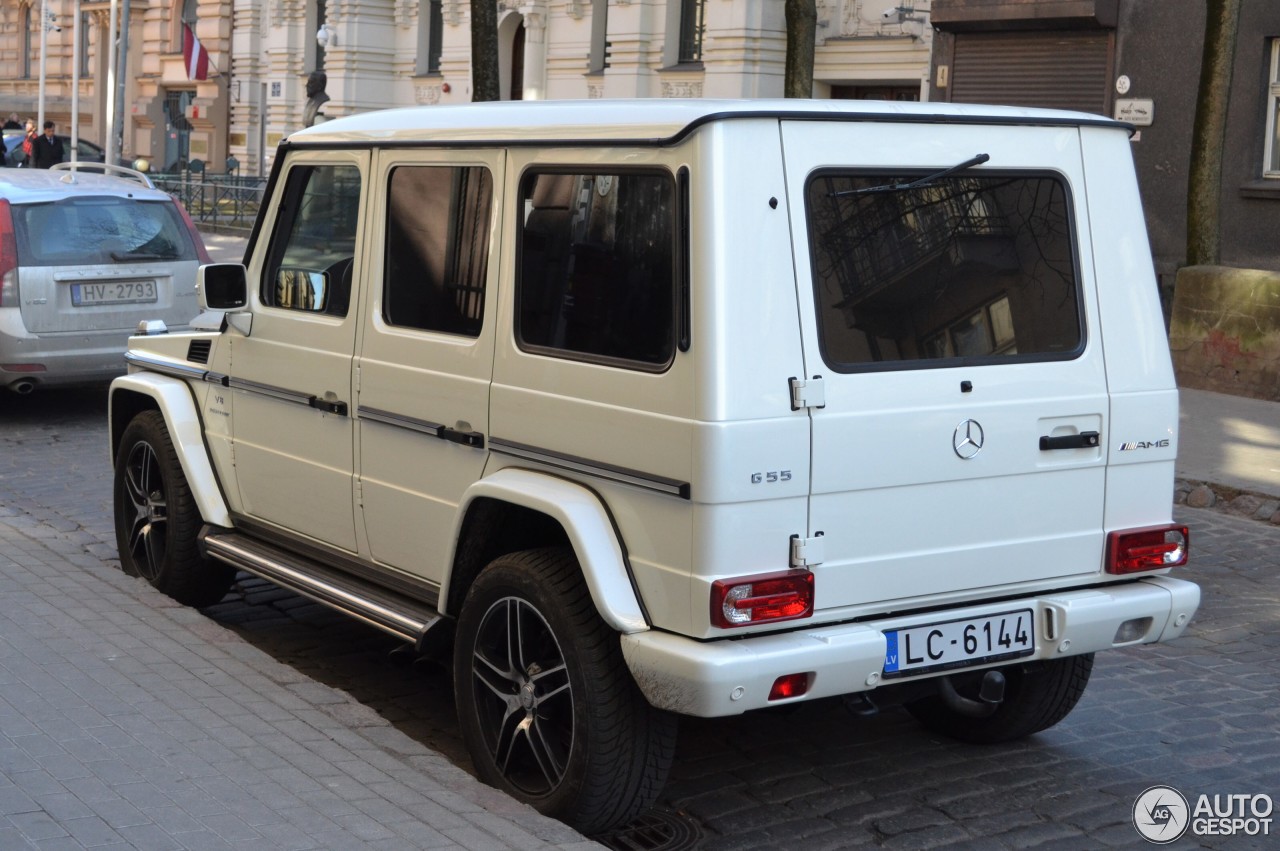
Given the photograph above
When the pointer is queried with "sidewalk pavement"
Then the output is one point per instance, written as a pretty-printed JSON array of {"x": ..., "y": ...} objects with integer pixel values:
[
  {"x": 1231, "y": 441},
  {"x": 128, "y": 721}
]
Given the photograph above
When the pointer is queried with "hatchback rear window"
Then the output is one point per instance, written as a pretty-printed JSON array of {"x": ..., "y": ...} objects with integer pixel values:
[
  {"x": 957, "y": 270},
  {"x": 100, "y": 230}
]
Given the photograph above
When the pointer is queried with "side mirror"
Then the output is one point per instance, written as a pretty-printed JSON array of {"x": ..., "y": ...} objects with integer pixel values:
[{"x": 222, "y": 286}]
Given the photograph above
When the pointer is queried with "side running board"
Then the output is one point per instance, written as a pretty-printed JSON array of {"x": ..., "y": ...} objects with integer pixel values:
[{"x": 397, "y": 614}]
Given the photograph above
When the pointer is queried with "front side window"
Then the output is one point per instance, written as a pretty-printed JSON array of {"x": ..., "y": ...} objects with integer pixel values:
[
  {"x": 437, "y": 253},
  {"x": 1271, "y": 166},
  {"x": 314, "y": 243},
  {"x": 957, "y": 270},
  {"x": 597, "y": 267},
  {"x": 104, "y": 230}
]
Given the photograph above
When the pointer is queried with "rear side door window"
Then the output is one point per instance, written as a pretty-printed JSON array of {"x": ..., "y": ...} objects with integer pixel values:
[
  {"x": 437, "y": 249},
  {"x": 959, "y": 270}
]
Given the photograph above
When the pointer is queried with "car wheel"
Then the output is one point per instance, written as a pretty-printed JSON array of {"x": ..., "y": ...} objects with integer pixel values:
[
  {"x": 547, "y": 706},
  {"x": 157, "y": 520},
  {"x": 1037, "y": 696}
]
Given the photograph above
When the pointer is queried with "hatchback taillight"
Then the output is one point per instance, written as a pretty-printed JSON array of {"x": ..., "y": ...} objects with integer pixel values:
[
  {"x": 201, "y": 251},
  {"x": 1151, "y": 548},
  {"x": 767, "y": 598},
  {"x": 8, "y": 257}
]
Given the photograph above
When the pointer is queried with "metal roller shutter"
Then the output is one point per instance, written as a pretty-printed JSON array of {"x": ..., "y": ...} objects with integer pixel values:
[{"x": 1060, "y": 69}]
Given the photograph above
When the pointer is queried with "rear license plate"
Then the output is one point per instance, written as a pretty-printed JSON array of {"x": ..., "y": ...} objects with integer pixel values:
[
  {"x": 959, "y": 643},
  {"x": 115, "y": 292}
]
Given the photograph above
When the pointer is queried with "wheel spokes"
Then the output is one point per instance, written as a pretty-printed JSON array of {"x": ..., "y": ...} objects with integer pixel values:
[
  {"x": 148, "y": 519},
  {"x": 524, "y": 696}
]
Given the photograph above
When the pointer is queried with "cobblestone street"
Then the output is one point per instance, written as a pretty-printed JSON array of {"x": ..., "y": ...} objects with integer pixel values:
[{"x": 1201, "y": 714}]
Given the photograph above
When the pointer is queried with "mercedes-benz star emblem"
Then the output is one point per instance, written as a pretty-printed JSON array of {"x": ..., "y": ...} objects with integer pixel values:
[{"x": 967, "y": 441}]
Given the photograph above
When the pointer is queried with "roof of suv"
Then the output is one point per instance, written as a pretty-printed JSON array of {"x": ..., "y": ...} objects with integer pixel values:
[
  {"x": 36, "y": 185},
  {"x": 643, "y": 121}
]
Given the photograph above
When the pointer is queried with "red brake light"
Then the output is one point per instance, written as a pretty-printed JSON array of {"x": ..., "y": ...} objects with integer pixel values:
[
  {"x": 769, "y": 597},
  {"x": 201, "y": 251},
  {"x": 8, "y": 257},
  {"x": 1152, "y": 548}
]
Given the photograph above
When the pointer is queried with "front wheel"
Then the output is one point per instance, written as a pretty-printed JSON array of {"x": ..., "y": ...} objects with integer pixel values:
[
  {"x": 157, "y": 520},
  {"x": 547, "y": 707},
  {"x": 1037, "y": 696}
]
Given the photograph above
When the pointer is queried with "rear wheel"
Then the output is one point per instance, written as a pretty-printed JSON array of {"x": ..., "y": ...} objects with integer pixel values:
[
  {"x": 1037, "y": 696},
  {"x": 547, "y": 707},
  {"x": 157, "y": 520}
]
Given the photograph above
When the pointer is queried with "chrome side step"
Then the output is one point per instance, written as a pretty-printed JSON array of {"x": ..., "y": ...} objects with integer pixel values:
[{"x": 402, "y": 616}]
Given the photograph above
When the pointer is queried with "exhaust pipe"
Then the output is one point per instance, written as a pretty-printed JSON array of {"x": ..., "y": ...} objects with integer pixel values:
[
  {"x": 23, "y": 387},
  {"x": 990, "y": 694}
]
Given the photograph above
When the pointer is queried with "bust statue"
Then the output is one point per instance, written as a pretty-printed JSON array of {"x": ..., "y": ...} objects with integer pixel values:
[{"x": 316, "y": 97}]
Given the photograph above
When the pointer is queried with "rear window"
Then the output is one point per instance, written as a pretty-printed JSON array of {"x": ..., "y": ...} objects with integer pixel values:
[
  {"x": 100, "y": 230},
  {"x": 959, "y": 270}
]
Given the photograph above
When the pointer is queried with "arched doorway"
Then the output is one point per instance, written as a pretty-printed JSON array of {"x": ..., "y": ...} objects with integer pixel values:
[{"x": 511, "y": 38}]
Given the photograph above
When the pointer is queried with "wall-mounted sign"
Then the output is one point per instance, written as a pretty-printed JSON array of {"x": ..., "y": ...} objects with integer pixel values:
[
  {"x": 1122, "y": 84},
  {"x": 1139, "y": 112}
]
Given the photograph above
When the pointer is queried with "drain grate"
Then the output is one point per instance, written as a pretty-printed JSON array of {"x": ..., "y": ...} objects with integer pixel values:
[{"x": 655, "y": 830}]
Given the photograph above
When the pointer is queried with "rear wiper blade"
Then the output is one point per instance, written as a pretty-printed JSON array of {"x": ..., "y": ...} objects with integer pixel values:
[
  {"x": 916, "y": 184},
  {"x": 139, "y": 255}
]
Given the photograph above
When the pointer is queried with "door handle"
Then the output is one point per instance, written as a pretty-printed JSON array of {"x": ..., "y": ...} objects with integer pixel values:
[
  {"x": 467, "y": 438},
  {"x": 339, "y": 408},
  {"x": 1083, "y": 440}
]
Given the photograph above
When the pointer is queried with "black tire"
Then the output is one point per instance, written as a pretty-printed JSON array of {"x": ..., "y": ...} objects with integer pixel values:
[
  {"x": 547, "y": 706},
  {"x": 1036, "y": 697},
  {"x": 157, "y": 520}
]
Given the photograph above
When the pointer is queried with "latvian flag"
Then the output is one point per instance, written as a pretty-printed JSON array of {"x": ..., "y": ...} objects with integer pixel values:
[{"x": 194, "y": 55}]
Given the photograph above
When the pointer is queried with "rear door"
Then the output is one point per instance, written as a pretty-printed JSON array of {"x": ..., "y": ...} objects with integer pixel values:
[
  {"x": 427, "y": 351},
  {"x": 954, "y": 326}
]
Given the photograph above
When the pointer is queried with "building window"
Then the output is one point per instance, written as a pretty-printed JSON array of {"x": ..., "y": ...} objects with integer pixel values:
[
  {"x": 187, "y": 14},
  {"x": 599, "y": 59},
  {"x": 430, "y": 37},
  {"x": 1271, "y": 166},
  {"x": 26, "y": 43},
  {"x": 86, "y": 28},
  {"x": 691, "y": 27}
]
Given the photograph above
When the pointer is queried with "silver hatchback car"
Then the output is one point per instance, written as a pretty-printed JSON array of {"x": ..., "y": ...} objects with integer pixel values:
[{"x": 83, "y": 258}]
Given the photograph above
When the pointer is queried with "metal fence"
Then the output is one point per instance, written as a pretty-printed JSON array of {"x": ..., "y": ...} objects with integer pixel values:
[{"x": 217, "y": 200}]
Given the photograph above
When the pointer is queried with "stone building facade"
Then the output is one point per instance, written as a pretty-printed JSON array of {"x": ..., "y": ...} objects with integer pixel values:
[{"x": 391, "y": 53}]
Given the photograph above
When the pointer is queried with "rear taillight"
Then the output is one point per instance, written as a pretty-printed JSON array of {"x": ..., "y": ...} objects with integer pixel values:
[
  {"x": 201, "y": 251},
  {"x": 1152, "y": 548},
  {"x": 766, "y": 598},
  {"x": 8, "y": 257}
]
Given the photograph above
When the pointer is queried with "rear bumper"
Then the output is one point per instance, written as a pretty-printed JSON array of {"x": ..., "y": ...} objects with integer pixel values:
[
  {"x": 728, "y": 677},
  {"x": 67, "y": 358}
]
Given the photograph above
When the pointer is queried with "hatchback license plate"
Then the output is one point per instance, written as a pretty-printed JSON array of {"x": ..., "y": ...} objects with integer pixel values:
[
  {"x": 115, "y": 292},
  {"x": 959, "y": 643}
]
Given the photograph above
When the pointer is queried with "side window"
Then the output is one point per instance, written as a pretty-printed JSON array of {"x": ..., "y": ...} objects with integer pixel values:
[
  {"x": 314, "y": 244},
  {"x": 597, "y": 267},
  {"x": 438, "y": 224},
  {"x": 959, "y": 270}
]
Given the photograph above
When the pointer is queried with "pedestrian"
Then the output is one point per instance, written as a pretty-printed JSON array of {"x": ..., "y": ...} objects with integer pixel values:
[
  {"x": 28, "y": 145},
  {"x": 13, "y": 123},
  {"x": 48, "y": 148}
]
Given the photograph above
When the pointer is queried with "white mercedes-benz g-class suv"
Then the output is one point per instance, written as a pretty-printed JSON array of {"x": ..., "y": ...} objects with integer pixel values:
[{"x": 682, "y": 407}]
